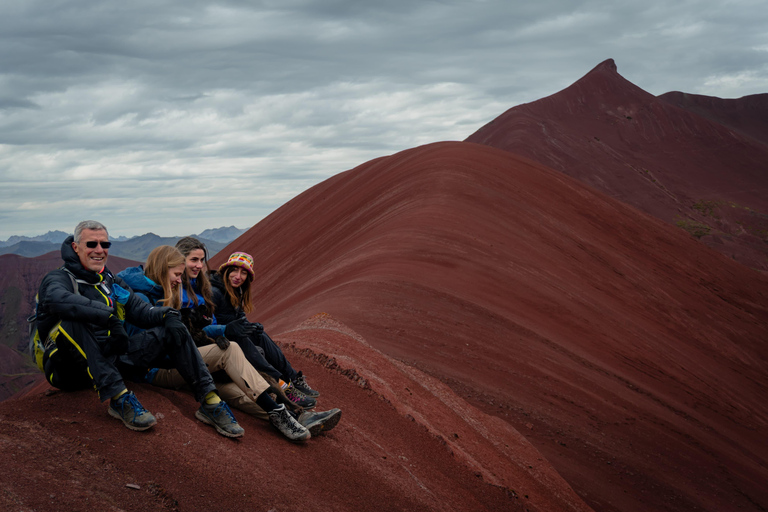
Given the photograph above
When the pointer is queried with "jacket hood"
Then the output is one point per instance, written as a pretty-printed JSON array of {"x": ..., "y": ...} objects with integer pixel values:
[
  {"x": 216, "y": 281},
  {"x": 72, "y": 263},
  {"x": 135, "y": 278}
]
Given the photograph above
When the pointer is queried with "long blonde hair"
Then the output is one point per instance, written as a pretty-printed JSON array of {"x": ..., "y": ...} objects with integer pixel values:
[{"x": 159, "y": 262}]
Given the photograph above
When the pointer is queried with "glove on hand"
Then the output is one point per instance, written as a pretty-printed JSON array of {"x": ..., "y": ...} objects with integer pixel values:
[
  {"x": 222, "y": 342},
  {"x": 175, "y": 328},
  {"x": 238, "y": 329},
  {"x": 117, "y": 342},
  {"x": 257, "y": 328}
]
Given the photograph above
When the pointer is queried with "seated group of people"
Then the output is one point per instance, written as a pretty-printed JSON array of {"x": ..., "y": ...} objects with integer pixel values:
[{"x": 102, "y": 330}]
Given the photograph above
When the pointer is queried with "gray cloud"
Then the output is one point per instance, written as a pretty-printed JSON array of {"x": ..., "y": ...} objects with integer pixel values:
[{"x": 173, "y": 116}]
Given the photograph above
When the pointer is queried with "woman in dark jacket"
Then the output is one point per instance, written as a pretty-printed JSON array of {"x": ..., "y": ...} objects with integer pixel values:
[{"x": 231, "y": 290}]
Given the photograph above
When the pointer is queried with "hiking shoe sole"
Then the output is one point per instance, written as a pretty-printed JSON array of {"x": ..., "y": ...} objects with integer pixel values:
[
  {"x": 202, "y": 417},
  {"x": 325, "y": 426}
]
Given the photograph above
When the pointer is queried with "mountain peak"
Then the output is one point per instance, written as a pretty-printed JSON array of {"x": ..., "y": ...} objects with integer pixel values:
[{"x": 607, "y": 65}]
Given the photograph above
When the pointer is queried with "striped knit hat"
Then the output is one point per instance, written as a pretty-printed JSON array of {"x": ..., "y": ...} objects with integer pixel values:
[{"x": 239, "y": 259}]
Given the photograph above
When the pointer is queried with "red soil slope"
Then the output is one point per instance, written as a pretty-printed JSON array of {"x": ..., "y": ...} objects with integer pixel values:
[
  {"x": 632, "y": 356},
  {"x": 405, "y": 442},
  {"x": 686, "y": 169}
]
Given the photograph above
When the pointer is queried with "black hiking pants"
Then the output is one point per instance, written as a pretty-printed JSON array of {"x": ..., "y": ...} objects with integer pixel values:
[
  {"x": 76, "y": 361},
  {"x": 264, "y": 354}
]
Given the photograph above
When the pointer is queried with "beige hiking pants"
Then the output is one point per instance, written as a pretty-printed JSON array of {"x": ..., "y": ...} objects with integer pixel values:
[{"x": 246, "y": 383}]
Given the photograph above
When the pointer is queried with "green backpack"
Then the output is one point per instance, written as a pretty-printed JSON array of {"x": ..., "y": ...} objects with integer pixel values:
[{"x": 38, "y": 346}]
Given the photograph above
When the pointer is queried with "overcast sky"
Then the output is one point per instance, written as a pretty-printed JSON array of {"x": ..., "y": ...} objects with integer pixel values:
[{"x": 177, "y": 116}]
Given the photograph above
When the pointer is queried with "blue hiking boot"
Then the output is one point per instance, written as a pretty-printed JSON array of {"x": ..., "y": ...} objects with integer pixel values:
[
  {"x": 133, "y": 415},
  {"x": 221, "y": 418}
]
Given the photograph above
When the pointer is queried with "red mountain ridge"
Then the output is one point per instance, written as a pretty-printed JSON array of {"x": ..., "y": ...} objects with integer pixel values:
[{"x": 703, "y": 167}]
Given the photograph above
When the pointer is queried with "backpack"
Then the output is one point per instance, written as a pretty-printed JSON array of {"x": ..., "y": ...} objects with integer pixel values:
[{"x": 38, "y": 346}]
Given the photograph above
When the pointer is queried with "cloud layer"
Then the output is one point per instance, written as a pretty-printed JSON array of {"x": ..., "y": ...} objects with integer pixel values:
[{"x": 174, "y": 117}]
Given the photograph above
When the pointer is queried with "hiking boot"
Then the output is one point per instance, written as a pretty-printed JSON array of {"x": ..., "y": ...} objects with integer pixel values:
[
  {"x": 299, "y": 398},
  {"x": 282, "y": 420},
  {"x": 300, "y": 383},
  {"x": 317, "y": 422},
  {"x": 133, "y": 415},
  {"x": 220, "y": 416}
]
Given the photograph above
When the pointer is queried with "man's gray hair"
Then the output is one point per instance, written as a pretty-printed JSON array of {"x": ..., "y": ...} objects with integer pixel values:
[{"x": 88, "y": 224}]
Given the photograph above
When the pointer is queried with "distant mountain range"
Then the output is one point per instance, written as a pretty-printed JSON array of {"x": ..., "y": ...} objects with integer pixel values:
[
  {"x": 135, "y": 248},
  {"x": 55, "y": 237}
]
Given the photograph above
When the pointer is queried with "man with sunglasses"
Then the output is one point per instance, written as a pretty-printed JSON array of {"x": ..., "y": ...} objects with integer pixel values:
[{"x": 81, "y": 310}]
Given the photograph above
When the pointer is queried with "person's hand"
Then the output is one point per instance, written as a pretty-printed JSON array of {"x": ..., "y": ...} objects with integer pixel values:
[
  {"x": 222, "y": 342},
  {"x": 238, "y": 329},
  {"x": 117, "y": 342},
  {"x": 175, "y": 328},
  {"x": 257, "y": 328}
]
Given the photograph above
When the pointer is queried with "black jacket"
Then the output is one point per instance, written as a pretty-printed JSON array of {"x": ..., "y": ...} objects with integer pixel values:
[
  {"x": 96, "y": 302},
  {"x": 225, "y": 312}
]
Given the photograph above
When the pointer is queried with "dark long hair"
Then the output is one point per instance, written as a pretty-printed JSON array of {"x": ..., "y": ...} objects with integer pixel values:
[
  {"x": 186, "y": 245},
  {"x": 240, "y": 296}
]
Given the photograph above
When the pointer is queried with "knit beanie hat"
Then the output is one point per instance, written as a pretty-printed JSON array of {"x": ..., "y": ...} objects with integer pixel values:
[{"x": 239, "y": 259}]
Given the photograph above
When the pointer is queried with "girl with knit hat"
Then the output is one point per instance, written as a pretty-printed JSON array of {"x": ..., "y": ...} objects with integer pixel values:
[{"x": 231, "y": 290}]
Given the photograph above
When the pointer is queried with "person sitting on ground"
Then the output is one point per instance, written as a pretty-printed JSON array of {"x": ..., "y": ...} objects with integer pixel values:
[
  {"x": 158, "y": 284},
  {"x": 232, "y": 297},
  {"x": 197, "y": 289},
  {"x": 81, "y": 309}
]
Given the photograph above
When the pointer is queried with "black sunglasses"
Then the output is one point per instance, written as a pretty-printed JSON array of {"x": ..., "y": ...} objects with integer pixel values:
[{"x": 93, "y": 243}]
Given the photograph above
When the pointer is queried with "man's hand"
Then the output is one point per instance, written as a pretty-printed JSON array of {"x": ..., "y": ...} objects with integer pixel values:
[
  {"x": 222, "y": 342},
  {"x": 175, "y": 328},
  {"x": 238, "y": 329},
  {"x": 117, "y": 342}
]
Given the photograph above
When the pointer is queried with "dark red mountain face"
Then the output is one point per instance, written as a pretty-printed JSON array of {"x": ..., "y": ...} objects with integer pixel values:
[
  {"x": 631, "y": 355},
  {"x": 747, "y": 115},
  {"x": 695, "y": 162}
]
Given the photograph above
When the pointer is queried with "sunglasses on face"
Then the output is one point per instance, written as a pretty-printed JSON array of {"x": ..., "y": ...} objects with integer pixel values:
[{"x": 93, "y": 243}]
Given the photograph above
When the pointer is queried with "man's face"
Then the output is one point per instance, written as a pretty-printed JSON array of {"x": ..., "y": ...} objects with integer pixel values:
[{"x": 92, "y": 258}]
